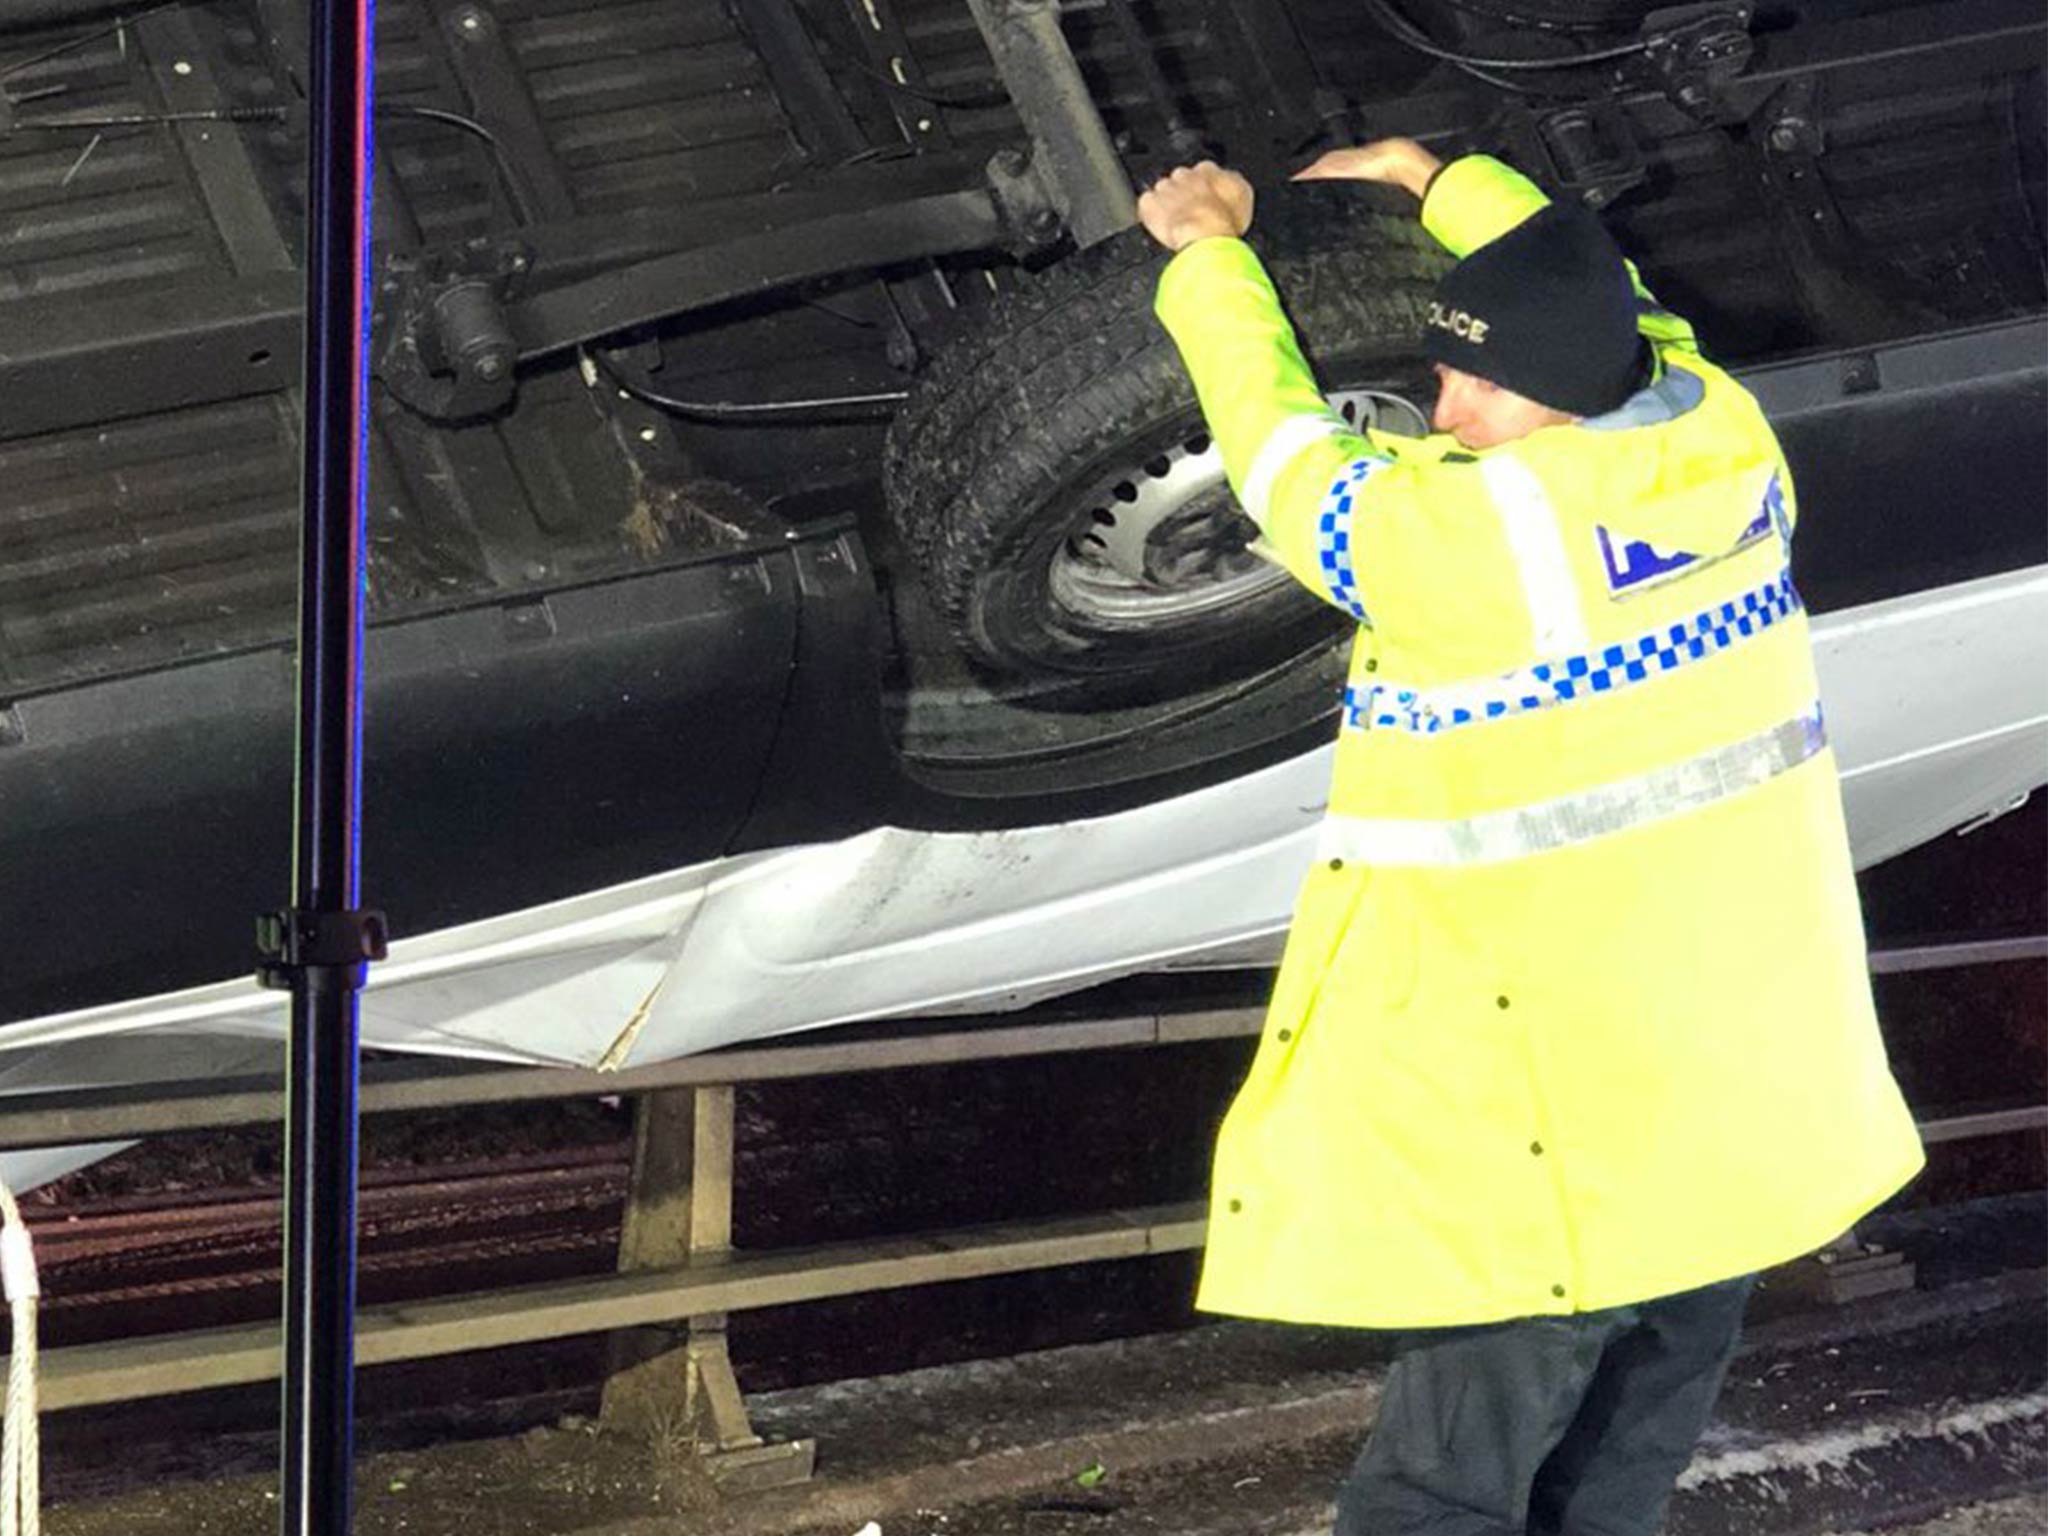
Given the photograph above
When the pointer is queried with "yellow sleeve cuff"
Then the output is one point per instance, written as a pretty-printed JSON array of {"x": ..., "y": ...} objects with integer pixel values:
[{"x": 1475, "y": 200}]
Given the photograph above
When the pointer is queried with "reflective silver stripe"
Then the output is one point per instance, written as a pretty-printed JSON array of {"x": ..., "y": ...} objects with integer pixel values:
[
  {"x": 1530, "y": 523},
  {"x": 1276, "y": 453},
  {"x": 1579, "y": 818}
]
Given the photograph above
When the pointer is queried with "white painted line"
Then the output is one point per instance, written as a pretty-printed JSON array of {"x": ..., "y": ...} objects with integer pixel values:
[{"x": 1818, "y": 1454}]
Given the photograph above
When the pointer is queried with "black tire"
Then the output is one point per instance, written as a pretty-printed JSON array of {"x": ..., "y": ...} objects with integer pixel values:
[{"x": 1072, "y": 381}]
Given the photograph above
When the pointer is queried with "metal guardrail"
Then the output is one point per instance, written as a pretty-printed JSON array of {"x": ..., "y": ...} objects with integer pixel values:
[
  {"x": 1946, "y": 957},
  {"x": 222, "y": 1357},
  {"x": 720, "y": 1283},
  {"x": 72, "y": 1117},
  {"x": 1997, "y": 1122}
]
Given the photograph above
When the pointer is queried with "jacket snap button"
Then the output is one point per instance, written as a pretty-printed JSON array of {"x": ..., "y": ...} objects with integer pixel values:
[
  {"x": 1557, "y": 1291},
  {"x": 1236, "y": 1206},
  {"x": 1372, "y": 664},
  {"x": 1500, "y": 1002},
  {"x": 1536, "y": 1148},
  {"x": 1336, "y": 863},
  {"x": 1286, "y": 1034}
]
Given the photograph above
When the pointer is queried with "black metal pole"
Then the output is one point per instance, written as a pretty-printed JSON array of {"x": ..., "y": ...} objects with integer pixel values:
[{"x": 320, "y": 945}]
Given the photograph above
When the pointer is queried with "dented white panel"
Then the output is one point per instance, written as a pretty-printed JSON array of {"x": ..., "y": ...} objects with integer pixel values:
[
  {"x": 1938, "y": 707},
  {"x": 1936, "y": 703}
]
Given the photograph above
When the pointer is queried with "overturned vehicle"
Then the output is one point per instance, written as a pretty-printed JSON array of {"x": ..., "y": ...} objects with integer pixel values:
[{"x": 797, "y": 564}]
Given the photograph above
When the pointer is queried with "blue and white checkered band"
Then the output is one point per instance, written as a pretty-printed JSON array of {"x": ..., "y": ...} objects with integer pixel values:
[
  {"x": 1428, "y": 711},
  {"x": 1774, "y": 510},
  {"x": 1634, "y": 564},
  {"x": 1333, "y": 534}
]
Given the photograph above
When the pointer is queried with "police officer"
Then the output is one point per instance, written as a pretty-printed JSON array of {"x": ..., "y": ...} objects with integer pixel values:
[{"x": 1573, "y": 1033}]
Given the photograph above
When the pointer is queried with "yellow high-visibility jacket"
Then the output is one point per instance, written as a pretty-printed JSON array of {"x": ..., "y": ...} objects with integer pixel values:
[{"x": 1574, "y": 1011}]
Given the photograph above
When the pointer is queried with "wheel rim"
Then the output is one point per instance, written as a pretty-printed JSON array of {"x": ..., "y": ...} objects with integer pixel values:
[{"x": 1164, "y": 541}]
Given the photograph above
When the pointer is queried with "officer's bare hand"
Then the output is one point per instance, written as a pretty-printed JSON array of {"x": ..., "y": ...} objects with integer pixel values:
[
  {"x": 1395, "y": 162},
  {"x": 1196, "y": 202}
]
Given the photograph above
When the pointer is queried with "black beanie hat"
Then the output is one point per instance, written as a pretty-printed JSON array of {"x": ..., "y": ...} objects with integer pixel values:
[{"x": 1548, "y": 311}]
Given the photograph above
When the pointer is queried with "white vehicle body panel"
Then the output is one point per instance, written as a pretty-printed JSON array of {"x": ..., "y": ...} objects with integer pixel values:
[{"x": 1937, "y": 704}]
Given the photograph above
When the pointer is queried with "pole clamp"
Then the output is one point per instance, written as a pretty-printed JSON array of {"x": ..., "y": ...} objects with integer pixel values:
[{"x": 296, "y": 940}]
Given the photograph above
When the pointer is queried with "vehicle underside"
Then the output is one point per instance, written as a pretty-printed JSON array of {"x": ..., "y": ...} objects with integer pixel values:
[{"x": 771, "y": 438}]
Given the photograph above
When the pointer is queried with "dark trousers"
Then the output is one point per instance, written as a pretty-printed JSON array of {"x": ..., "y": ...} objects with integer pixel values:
[{"x": 1565, "y": 1426}]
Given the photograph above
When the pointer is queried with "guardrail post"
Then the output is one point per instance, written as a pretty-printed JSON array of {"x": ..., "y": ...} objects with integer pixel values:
[{"x": 679, "y": 1213}]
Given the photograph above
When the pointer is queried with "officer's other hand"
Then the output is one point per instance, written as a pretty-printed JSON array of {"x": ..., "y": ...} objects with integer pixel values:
[
  {"x": 1196, "y": 202},
  {"x": 1393, "y": 162}
]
